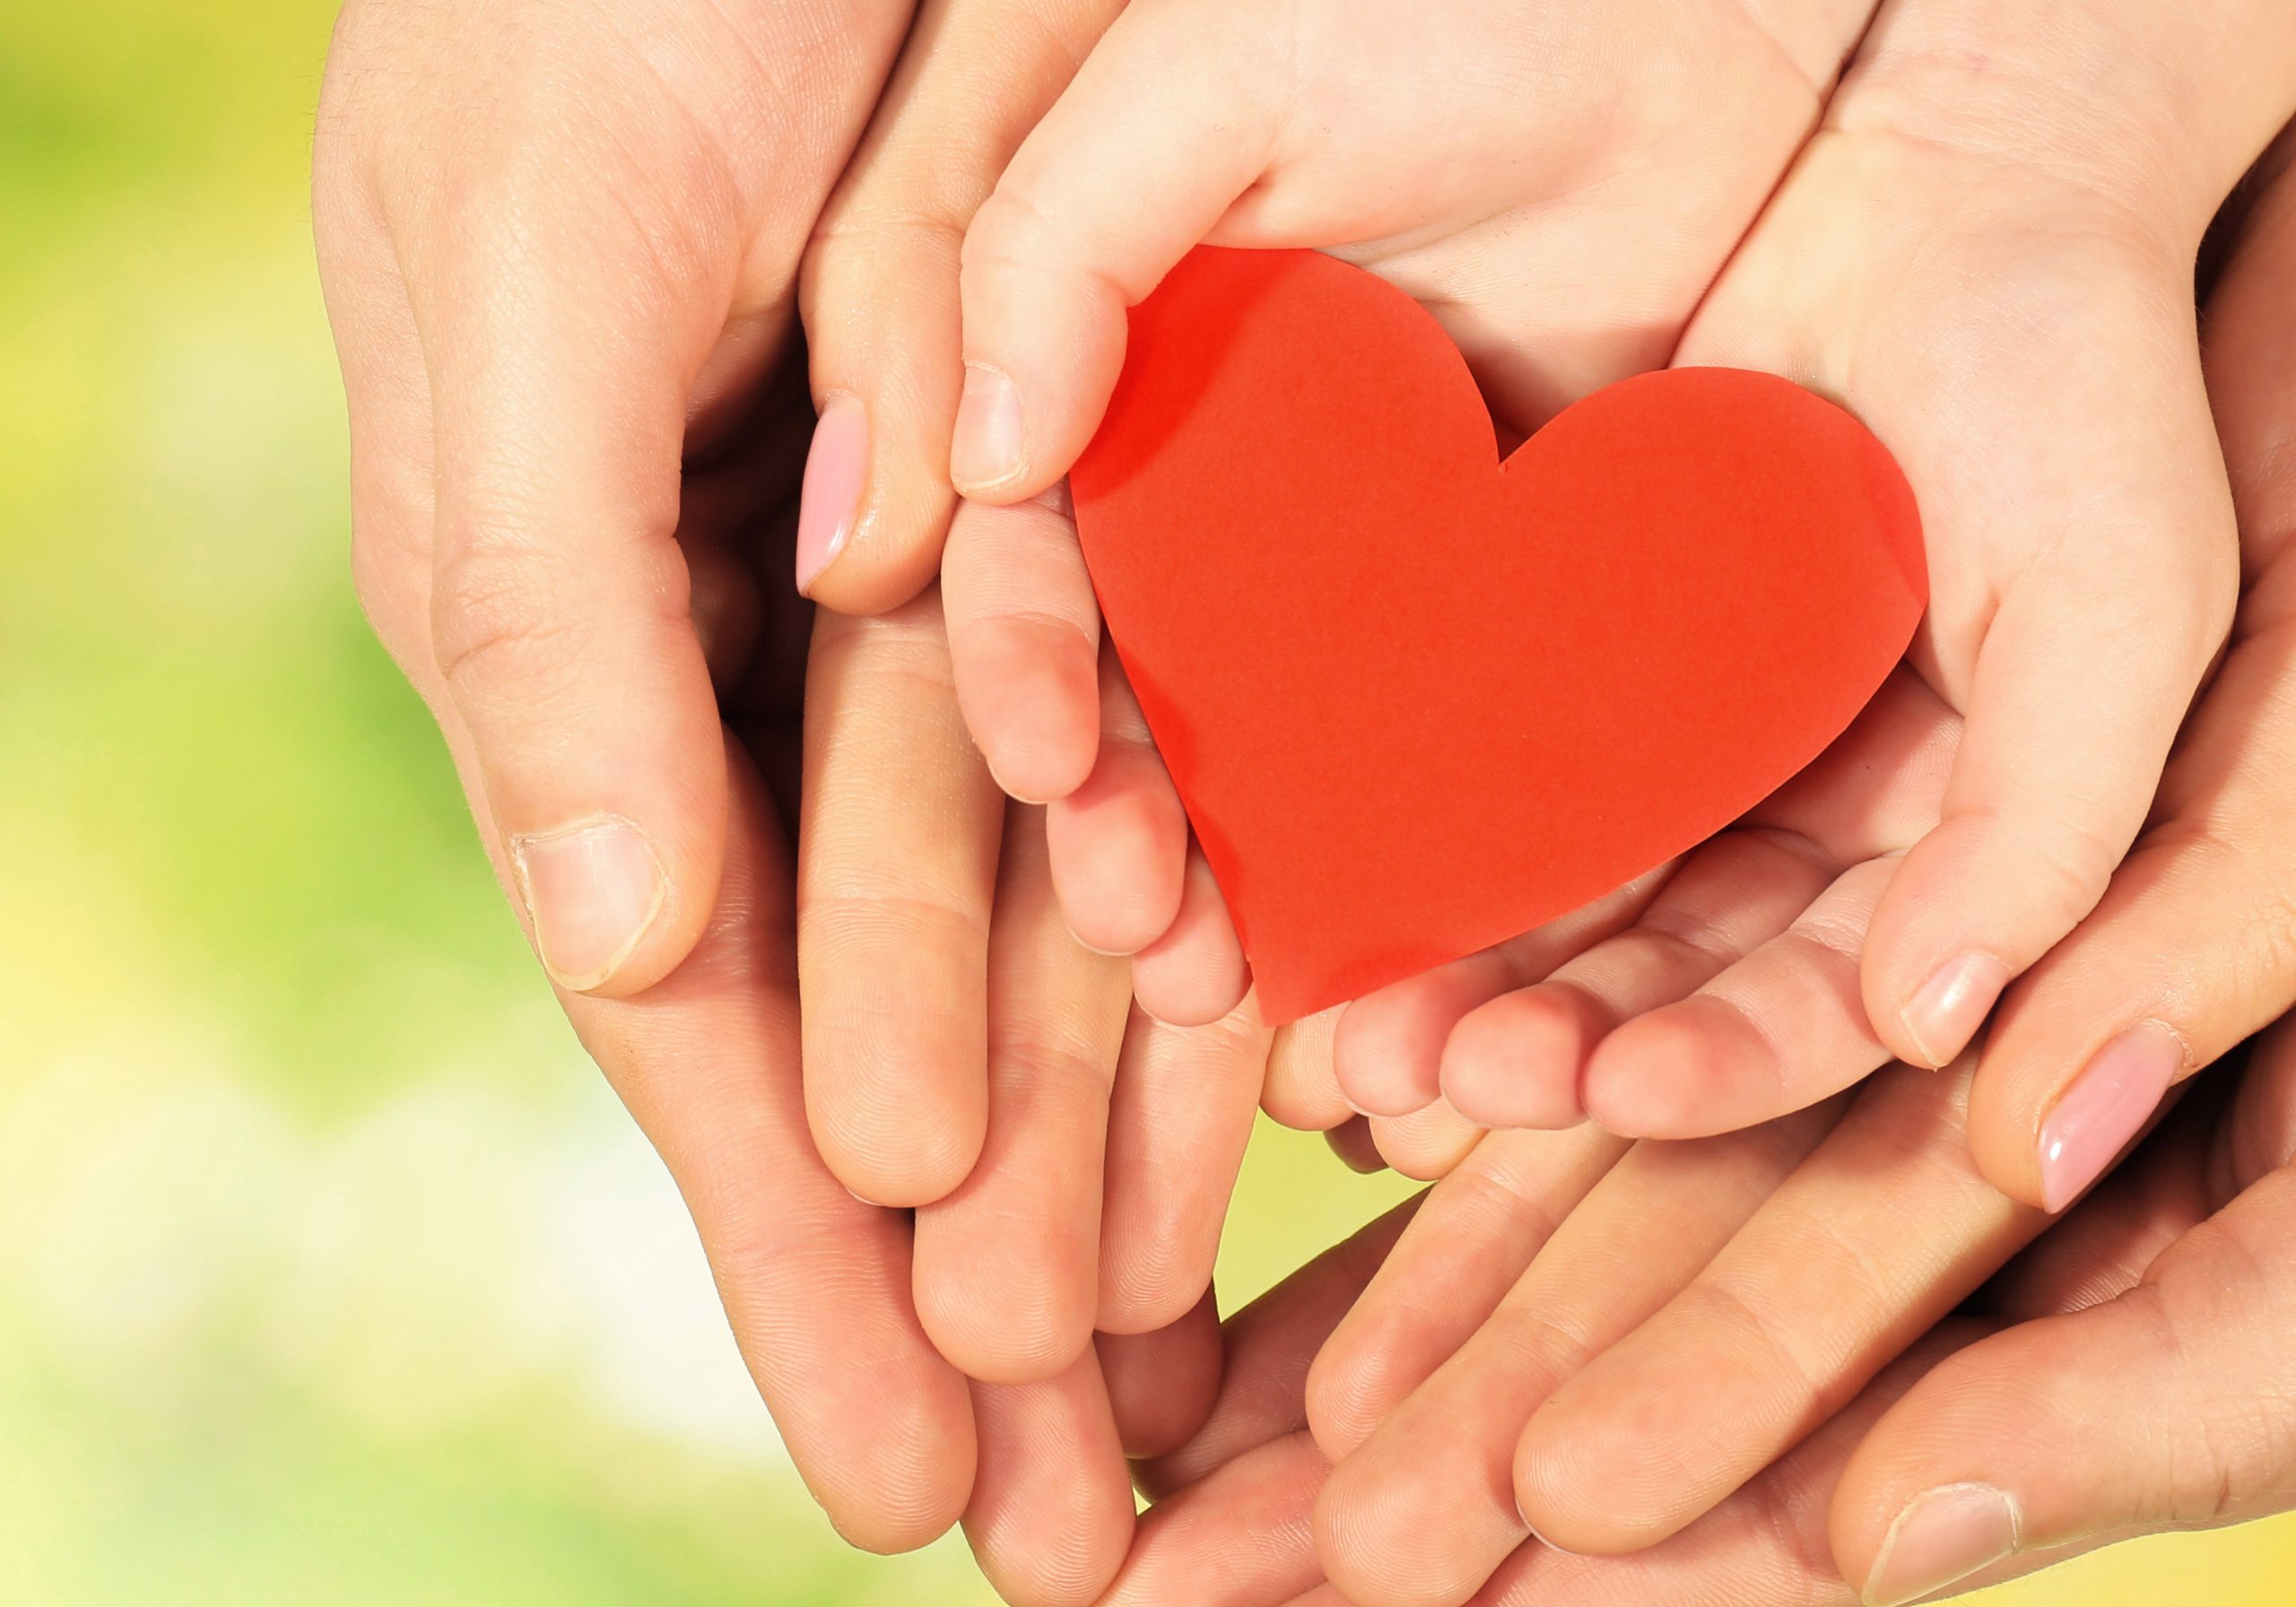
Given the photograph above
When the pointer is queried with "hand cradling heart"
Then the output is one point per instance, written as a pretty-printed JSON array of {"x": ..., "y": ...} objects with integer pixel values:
[{"x": 1417, "y": 699}]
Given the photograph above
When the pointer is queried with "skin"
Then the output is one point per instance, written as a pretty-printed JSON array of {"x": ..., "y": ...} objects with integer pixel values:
[
  {"x": 1983, "y": 246},
  {"x": 680, "y": 457},
  {"x": 1530, "y": 1355},
  {"x": 1240, "y": 1526},
  {"x": 674, "y": 423},
  {"x": 1653, "y": 163}
]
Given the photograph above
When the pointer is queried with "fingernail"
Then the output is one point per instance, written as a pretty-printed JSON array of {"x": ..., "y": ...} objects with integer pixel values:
[
  {"x": 987, "y": 449},
  {"x": 592, "y": 891},
  {"x": 2112, "y": 1098},
  {"x": 1953, "y": 1005},
  {"x": 1942, "y": 1536},
  {"x": 836, "y": 465}
]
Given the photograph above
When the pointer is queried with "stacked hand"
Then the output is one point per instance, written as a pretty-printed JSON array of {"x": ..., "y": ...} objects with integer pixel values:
[
  {"x": 564, "y": 249},
  {"x": 1823, "y": 1359}
]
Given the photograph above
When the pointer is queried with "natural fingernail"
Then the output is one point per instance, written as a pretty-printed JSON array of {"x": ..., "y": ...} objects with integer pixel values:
[
  {"x": 1953, "y": 1005},
  {"x": 1942, "y": 1536},
  {"x": 987, "y": 449},
  {"x": 836, "y": 465},
  {"x": 592, "y": 891},
  {"x": 2107, "y": 1105}
]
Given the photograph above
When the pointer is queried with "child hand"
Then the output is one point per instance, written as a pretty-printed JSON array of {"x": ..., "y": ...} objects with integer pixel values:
[
  {"x": 1558, "y": 183},
  {"x": 1979, "y": 308}
]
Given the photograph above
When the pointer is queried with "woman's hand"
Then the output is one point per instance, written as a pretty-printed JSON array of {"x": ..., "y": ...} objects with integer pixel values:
[{"x": 2001, "y": 1398}]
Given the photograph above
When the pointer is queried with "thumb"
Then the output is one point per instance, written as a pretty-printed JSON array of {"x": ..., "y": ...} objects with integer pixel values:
[
  {"x": 879, "y": 291},
  {"x": 2164, "y": 1409},
  {"x": 1170, "y": 119},
  {"x": 560, "y": 362}
]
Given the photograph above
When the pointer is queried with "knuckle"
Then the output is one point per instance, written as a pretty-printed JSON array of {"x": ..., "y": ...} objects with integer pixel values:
[
  {"x": 1007, "y": 232},
  {"x": 392, "y": 583},
  {"x": 2246, "y": 875},
  {"x": 2059, "y": 872},
  {"x": 497, "y": 625},
  {"x": 1772, "y": 1352}
]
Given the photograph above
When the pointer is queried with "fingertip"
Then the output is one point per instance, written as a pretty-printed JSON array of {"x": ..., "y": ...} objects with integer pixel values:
[
  {"x": 2079, "y": 1129},
  {"x": 907, "y": 1486},
  {"x": 896, "y": 1096},
  {"x": 880, "y": 312},
  {"x": 1052, "y": 1512},
  {"x": 1552, "y": 1494},
  {"x": 1149, "y": 1288},
  {"x": 1426, "y": 1144},
  {"x": 1044, "y": 341},
  {"x": 1030, "y": 691},
  {"x": 1356, "y": 1146},
  {"x": 917, "y": 1159},
  {"x": 1388, "y": 1049},
  {"x": 986, "y": 449},
  {"x": 1669, "y": 1074},
  {"x": 1195, "y": 973},
  {"x": 1347, "y": 1397},
  {"x": 1515, "y": 1061},
  {"x": 835, "y": 477},
  {"x": 1362, "y": 1533},
  {"x": 1004, "y": 1335},
  {"x": 1970, "y": 907},
  {"x": 1300, "y": 1091},
  {"x": 600, "y": 902},
  {"x": 1933, "y": 1021},
  {"x": 1118, "y": 845}
]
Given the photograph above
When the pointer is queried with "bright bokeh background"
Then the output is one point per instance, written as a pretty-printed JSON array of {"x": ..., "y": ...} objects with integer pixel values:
[{"x": 329, "y": 1272}]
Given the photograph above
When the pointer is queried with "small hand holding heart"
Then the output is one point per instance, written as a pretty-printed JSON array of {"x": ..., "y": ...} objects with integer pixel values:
[{"x": 1417, "y": 698}]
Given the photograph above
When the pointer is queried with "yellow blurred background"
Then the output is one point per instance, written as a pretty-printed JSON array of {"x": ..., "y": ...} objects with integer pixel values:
[{"x": 330, "y": 1272}]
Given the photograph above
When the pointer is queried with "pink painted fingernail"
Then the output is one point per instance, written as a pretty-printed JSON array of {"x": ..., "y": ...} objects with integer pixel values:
[
  {"x": 1942, "y": 1537},
  {"x": 2108, "y": 1104},
  {"x": 836, "y": 465},
  {"x": 594, "y": 890},
  {"x": 1953, "y": 1005},
  {"x": 986, "y": 450}
]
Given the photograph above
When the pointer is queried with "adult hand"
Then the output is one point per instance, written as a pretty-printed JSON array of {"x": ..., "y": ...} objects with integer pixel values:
[
  {"x": 2188, "y": 951},
  {"x": 881, "y": 306},
  {"x": 589, "y": 325},
  {"x": 559, "y": 247},
  {"x": 1238, "y": 1519},
  {"x": 946, "y": 1068}
]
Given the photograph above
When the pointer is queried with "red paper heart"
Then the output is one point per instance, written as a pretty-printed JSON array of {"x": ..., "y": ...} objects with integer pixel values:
[{"x": 1417, "y": 699}]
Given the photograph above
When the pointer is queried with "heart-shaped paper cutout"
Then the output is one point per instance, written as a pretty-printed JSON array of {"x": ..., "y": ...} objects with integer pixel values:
[{"x": 1416, "y": 699}]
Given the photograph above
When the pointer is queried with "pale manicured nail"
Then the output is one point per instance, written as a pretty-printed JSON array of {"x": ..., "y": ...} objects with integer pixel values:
[
  {"x": 836, "y": 465},
  {"x": 2108, "y": 1103},
  {"x": 1942, "y": 1537},
  {"x": 592, "y": 891},
  {"x": 986, "y": 451},
  {"x": 1953, "y": 1005}
]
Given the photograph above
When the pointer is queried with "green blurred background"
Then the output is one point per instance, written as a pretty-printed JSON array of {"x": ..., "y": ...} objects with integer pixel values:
[{"x": 333, "y": 1274}]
